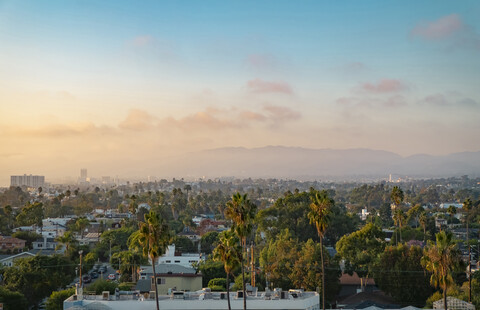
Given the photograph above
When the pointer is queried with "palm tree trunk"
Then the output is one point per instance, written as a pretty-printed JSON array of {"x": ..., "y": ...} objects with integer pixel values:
[
  {"x": 244, "y": 241},
  {"x": 155, "y": 282},
  {"x": 323, "y": 273},
  {"x": 445, "y": 297},
  {"x": 469, "y": 267},
  {"x": 228, "y": 292}
]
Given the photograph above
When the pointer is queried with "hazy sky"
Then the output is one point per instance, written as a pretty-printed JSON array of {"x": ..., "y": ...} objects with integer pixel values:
[{"x": 108, "y": 85}]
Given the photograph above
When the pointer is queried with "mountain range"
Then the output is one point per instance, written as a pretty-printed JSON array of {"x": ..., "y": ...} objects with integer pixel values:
[{"x": 304, "y": 163}]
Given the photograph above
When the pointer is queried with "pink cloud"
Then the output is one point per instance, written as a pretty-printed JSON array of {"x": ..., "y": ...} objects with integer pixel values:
[
  {"x": 261, "y": 61},
  {"x": 384, "y": 86},
  {"x": 441, "y": 28},
  {"x": 261, "y": 86},
  {"x": 277, "y": 113},
  {"x": 253, "y": 116}
]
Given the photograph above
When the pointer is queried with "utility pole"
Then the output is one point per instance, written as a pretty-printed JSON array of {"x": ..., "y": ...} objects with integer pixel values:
[
  {"x": 253, "y": 266},
  {"x": 81, "y": 282}
]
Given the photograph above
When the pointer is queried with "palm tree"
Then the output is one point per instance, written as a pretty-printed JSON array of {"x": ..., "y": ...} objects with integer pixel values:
[
  {"x": 81, "y": 224},
  {"x": 229, "y": 252},
  {"x": 397, "y": 198},
  {"x": 399, "y": 219},
  {"x": 452, "y": 211},
  {"x": 66, "y": 240},
  {"x": 319, "y": 214},
  {"x": 153, "y": 236},
  {"x": 442, "y": 259},
  {"x": 467, "y": 206},
  {"x": 422, "y": 219},
  {"x": 241, "y": 211}
]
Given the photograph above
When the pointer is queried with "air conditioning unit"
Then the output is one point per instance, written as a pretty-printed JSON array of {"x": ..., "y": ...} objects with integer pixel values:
[
  {"x": 105, "y": 295},
  {"x": 152, "y": 295}
]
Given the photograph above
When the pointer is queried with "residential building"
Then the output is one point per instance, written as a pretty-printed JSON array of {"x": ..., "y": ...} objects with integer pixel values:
[
  {"x": 11, "y": 243},
  {"x": 8, "y": 260},
  {"x": 34, "y": 181},
  {"x": 183, "y": 259},
  {"x": 199, "y": 300},
  {"x": 453, "y": 304},
  {"x": 44, "y": 244},
  {"x": 172, "y": 277}
]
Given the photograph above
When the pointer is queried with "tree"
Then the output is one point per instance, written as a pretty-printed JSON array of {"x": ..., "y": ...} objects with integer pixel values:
[
  {"x": 154, "y": 236},
  {"x": 452, "y": 211},
  {"x": 67, "y": 240},
  {"x": 278, "y": 258},
  {"x": 208, "y": 242},
  {"x": 399, "y": 273},
  {"x": 242, "y": 212},
  {"x": 36, "y": 277},
  {"x": 306, "y": 272},
  {"x": 229, "y": 252},
  {"x": 13, "y": 300},
  {"x": 320, "y": 216},
  {"x": 55, "y": 301},
  {"x": 31, "y": 214},
  {"x": 442, "y": 259},
  {"x": 361, "y": 248},
  {"x": 467, "y": 206},
  {"x": 81, "y": 224},
  {"x": 423, "y": 220},
  {"x": 399, "y": 219},
  {"x": 397, "y": 197}
]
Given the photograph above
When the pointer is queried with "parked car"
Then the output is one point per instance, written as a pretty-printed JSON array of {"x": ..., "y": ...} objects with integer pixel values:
[
  {"x": 86, "y": 279},
  {"x": 93, "y": 274}
]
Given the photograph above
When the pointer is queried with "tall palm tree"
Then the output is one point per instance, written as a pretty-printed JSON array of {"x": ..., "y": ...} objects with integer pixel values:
[
  {"x": 319, "y": 214},
  {"x": 229, "y": 252},
  {"x": 397, "y": 197},
  {"x": 442, "y": 259},
  {"x": 467, "y": 206},
  {"x": 241, "y": 211},
  {"x": 153, "y": 237},
  {"x": 399, "y": 219},
  {"x": 67, "y": 240},
  {"x": 422, "y": 219}
]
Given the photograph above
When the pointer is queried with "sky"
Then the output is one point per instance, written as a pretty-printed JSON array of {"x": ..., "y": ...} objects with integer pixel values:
[{"x": 107, "y": 85}]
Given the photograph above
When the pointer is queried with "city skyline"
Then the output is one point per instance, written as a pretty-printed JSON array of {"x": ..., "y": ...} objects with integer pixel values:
[{"x": 115, "y": 86}]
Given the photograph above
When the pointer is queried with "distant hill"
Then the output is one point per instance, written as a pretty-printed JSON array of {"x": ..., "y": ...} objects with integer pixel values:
[{"x": 303, "y": 163}]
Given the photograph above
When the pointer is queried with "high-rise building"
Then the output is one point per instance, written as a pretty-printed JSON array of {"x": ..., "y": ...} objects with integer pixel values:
[
  {"x": 27, "y": 180},
  {"x": 83, "y": 174}
]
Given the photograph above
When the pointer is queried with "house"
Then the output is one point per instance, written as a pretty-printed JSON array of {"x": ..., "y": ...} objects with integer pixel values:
[
  {"x": 353, "y": 284},
  {"x": 453, "y": 304},
  {"x": 184, "y": 259},
  {"x": 8, "y": 260},
  {"x": 11, "y": 243},
  {"x": 44, "y": 244},
  {"x": 172, "y": 276},
  {"x": 363, "y": 300}
]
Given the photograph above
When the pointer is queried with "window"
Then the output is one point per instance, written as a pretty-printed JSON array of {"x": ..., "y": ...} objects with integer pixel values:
[
  {"x": 168, "y": 261},
  {"x": 177, "y": 261},
  {"x": 160, "y": 280}
]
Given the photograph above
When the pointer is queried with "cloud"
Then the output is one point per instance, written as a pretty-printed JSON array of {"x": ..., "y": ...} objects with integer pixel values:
[
  {"x": 451, "y": 29},
  {"x": 138, "y": 120},
  {"x": 64, "y": 130},
  {"x": 278, "y": 113},
  {"x": 449, "y": 99},
  {"x": 384, "y": 86},
  {"x": 261, "y": 86},
  {"x": 142, "y": 40},
  {"x": 441, "y": 28},
  {"x": 391, "y": 102},
  {"x": 354, "y": 67},
  {"x": 261, "y": 61}
]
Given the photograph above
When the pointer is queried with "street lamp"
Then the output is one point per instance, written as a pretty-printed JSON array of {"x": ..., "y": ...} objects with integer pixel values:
[{"x": 81, "y": 252}]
